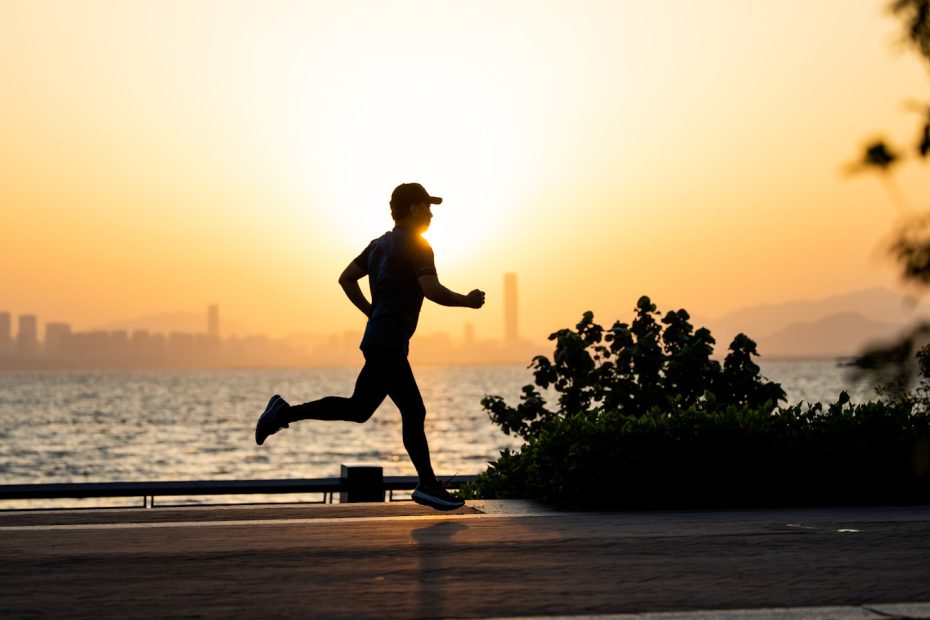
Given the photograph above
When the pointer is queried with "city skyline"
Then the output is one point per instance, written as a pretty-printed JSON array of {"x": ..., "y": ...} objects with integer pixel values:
[
  {"x": 836, "y": 326},
  {"x": 509, "y": 323},
  {"x": 63, "y": 347}
]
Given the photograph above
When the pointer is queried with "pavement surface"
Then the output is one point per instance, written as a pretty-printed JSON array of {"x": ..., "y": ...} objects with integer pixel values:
[{"x": 491, "y": 559}]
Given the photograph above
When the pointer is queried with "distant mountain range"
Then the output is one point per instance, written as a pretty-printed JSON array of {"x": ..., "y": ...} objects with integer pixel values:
[{"x": 836, "y": 326}]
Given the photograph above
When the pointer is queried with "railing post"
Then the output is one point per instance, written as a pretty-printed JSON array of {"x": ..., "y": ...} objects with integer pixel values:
[{"x": 362, "y": 483}]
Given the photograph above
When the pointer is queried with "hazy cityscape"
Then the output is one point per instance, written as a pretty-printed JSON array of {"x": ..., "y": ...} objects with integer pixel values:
[
  {"x": 837, "y": 326},
  {"x": 62, "y": 348}
]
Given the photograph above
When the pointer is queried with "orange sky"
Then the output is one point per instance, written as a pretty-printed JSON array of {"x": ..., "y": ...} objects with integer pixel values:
[{"x": 160, "y": 156}]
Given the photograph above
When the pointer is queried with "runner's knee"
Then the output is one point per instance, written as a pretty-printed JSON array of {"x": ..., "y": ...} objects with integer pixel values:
[
  {"x": 361, "y": 411},
  {"x": 413, "y": 417},
  {"x": 362, "y": 415}
]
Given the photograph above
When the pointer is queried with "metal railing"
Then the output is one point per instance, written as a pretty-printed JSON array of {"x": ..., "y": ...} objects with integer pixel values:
[{"x": 349, "y": 490}]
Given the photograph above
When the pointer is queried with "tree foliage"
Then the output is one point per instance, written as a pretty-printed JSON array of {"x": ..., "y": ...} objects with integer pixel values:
[
  {"x": 893, "y": 364},
  {"x": 653, "y": 362},
  {"x": 916, "y": 17}
]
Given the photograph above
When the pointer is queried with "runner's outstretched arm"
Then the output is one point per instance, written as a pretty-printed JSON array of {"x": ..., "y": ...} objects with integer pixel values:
[
  {"x": 437, "y": 293},
  {"x": 349, "y": 282}
]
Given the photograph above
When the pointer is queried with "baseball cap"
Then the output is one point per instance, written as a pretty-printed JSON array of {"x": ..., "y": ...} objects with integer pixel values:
[{"x": 407, "y": 194}]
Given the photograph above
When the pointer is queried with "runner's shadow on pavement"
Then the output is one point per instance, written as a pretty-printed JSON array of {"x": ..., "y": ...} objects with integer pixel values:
[{"x": 436, "y": 553}]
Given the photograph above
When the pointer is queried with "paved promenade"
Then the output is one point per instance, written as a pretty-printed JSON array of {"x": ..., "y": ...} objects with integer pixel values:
[{"x": 403, "y": 561}]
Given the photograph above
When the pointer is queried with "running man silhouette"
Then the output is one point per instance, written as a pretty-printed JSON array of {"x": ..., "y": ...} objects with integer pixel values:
[{"x": 400, "y": 269}]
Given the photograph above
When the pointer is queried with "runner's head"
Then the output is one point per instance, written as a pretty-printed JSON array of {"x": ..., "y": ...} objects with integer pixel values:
[{"x": 410, "y": 203}]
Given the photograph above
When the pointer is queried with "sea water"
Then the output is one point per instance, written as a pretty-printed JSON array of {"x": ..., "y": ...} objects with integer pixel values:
[{"x": 199, "y": 425}]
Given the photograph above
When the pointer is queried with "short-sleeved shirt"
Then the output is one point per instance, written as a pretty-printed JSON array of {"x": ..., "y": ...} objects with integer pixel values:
[{"x": 393, "y": 263}]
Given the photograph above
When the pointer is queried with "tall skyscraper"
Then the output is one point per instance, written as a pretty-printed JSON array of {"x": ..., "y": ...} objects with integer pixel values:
[
  {"x": 510, "y": 309},
  {"x": 213, "y": 322},
  {"x": 6, "y": 334},
  {"x": 27, "y": 340}
]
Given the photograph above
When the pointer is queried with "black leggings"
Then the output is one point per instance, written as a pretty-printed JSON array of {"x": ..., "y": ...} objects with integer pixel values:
[{"x": 386, "y": 373}]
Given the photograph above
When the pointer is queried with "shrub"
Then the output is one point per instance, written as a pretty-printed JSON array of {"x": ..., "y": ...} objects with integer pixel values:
[
  {"x": 733, "y": 456},
  {"x": 645, "y": 418},
  {"x": 633, "y": 368}
]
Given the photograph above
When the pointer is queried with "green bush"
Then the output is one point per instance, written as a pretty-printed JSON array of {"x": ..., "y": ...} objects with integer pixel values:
[
  {"x": 645, "y": 419},
  {"x": 634, "y": 368},
  {"x": 736, "y": 456}
]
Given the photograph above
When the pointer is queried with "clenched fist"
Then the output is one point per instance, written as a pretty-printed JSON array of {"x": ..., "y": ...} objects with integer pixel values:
[{"x": 475, "y": 299}]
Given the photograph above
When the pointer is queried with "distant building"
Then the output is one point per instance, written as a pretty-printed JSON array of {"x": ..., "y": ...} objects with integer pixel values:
[
  {"x": 140, "y": 345},
  {"x": 120, "y": 348},
  {"x": 511, "y": 335},
  {"x": 56, "y": 339},
  {"x": 27, "y": 340},
  {"x": 181, "y": 345},
  {"x": 158, "y": 344},
  {"x": 213, "y": 322},
  {"x": 90, "y": 346},
  {"x": 6, "y": 333}
]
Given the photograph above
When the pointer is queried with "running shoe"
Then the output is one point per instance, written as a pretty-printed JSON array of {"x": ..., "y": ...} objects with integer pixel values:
[
  {"x": 435, "y": 496},
  {"x": 270, "y": 421}
]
